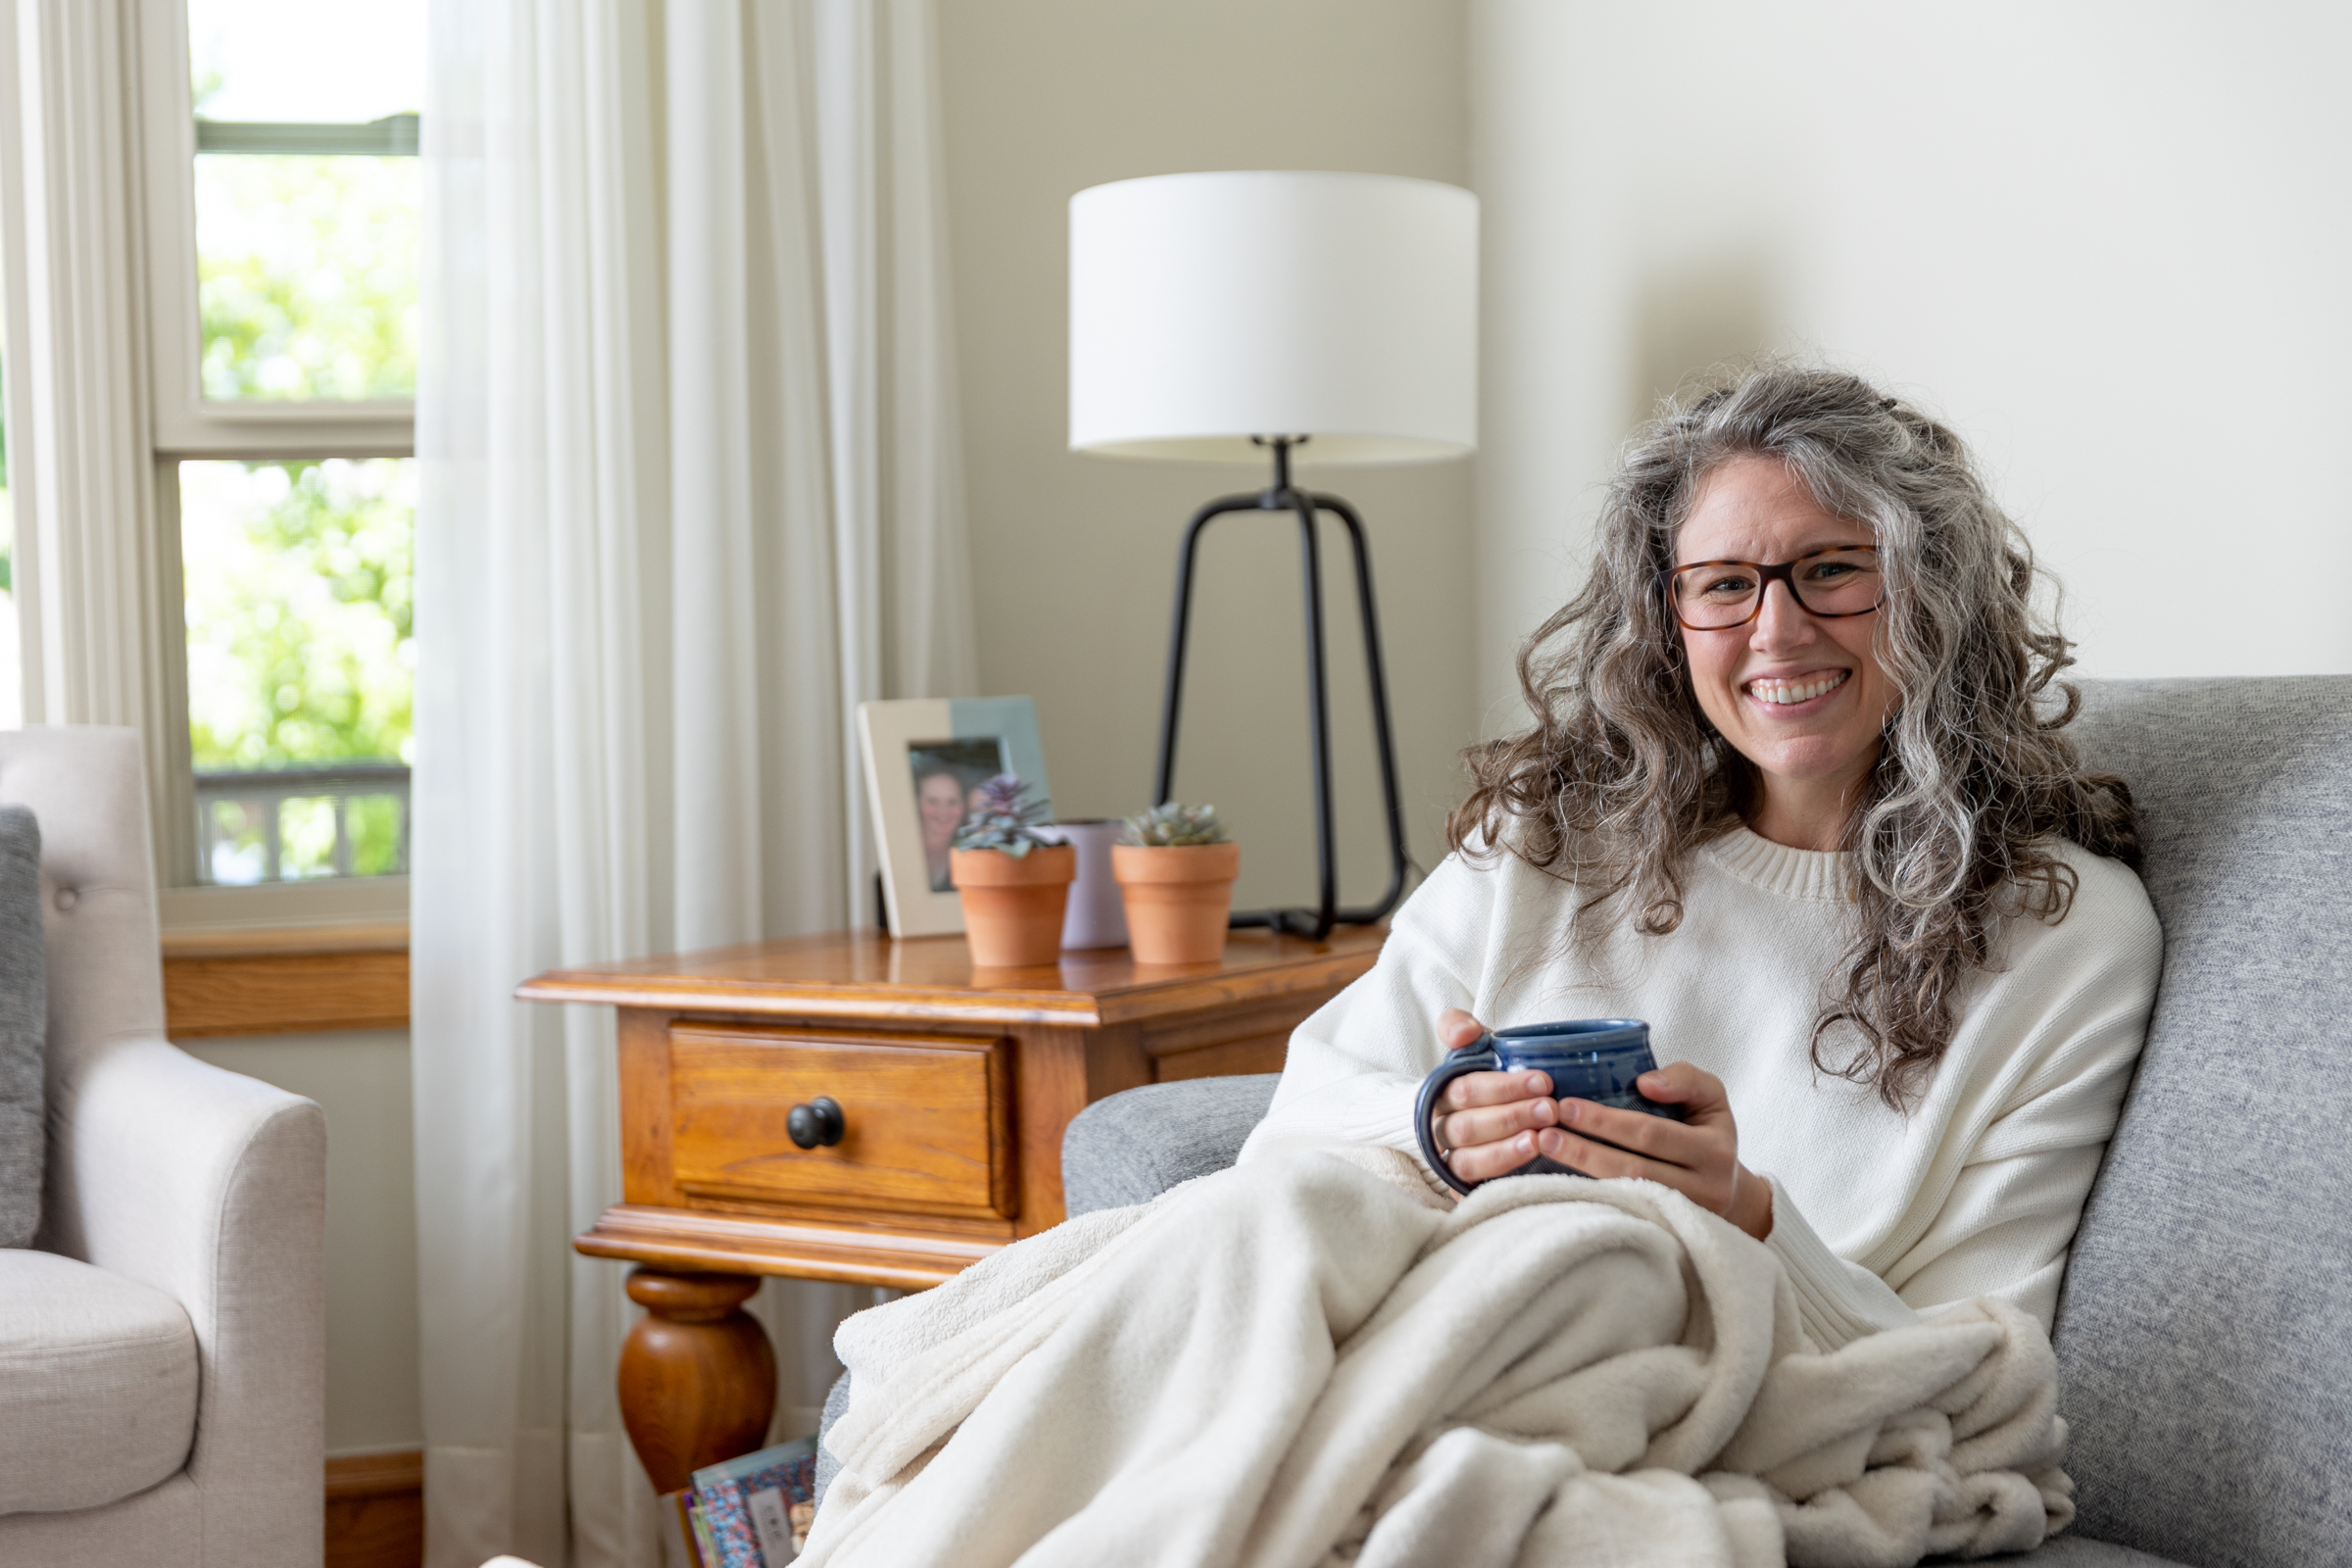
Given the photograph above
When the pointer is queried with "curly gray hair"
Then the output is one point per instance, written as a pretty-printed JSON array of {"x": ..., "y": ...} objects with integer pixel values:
[{"x": 1622, "y": 774}]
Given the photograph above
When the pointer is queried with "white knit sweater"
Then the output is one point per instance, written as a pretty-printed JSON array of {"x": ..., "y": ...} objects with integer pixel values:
[{"x": 1876, "y": 1214}]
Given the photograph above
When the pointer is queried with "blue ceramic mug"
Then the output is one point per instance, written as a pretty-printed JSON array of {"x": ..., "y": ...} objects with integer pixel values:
[{"x": 1585, "y": 1058}]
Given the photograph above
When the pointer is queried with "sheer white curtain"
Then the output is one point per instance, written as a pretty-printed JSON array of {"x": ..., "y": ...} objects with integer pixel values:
[{"x": 689, "y": 492}]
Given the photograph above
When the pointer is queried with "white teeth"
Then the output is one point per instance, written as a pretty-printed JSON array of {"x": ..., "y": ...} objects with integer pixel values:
[{"x": 1783, "y": 693}]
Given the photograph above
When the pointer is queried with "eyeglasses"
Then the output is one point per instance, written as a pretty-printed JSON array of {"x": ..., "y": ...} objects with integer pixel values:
[{"x": 1717, "y": 594}]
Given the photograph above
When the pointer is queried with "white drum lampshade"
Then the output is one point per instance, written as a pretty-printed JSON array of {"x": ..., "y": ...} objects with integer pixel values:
[
  {"x": 1208, "y": 309},
  {"x": 1262, "y": 317}
]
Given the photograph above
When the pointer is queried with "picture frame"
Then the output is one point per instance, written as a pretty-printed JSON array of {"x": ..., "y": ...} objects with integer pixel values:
[{"x": 911, "y": 750}]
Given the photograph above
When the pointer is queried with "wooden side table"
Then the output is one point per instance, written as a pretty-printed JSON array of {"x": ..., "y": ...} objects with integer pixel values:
[{"x": 949, "y": 1087}]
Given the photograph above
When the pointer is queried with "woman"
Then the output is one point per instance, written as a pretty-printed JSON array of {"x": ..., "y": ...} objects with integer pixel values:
[
  {"x": 938, "y": 798},
  {"x": 1797, "y": 794}
]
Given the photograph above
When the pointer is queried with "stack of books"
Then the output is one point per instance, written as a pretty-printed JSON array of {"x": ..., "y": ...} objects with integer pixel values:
[{"x": 752, "y": 1512}]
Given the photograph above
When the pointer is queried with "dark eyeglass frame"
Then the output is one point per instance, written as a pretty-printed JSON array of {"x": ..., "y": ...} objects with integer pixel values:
[{"x": 1766, "y": 576}]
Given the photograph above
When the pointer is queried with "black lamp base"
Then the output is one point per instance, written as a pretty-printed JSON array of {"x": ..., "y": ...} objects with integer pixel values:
[{"x": 1304, "y": 505}]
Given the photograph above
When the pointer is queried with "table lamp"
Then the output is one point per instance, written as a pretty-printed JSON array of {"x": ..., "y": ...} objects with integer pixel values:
[{"x": 1258, "y": 316}]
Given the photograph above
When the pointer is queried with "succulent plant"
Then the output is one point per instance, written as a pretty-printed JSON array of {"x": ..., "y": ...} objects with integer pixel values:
[
  {"x": 1170, "y": 826},
  {"x": 1001, "y": 820}
]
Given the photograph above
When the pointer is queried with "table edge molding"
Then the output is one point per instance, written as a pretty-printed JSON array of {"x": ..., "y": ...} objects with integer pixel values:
[
  {"x": 691, "y": 1240},
  {"x": 889, "y": 1002}
]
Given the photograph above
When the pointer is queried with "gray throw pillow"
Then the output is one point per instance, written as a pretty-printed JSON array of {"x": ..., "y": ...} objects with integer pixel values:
[{"x": 23, "y": 1026}]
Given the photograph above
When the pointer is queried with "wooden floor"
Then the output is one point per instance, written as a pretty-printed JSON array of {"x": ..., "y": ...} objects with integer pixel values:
[{"x": 375, "y": 1510}]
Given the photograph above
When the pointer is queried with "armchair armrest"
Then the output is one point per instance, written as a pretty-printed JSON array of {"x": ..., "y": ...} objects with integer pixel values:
[
  {"x": 212, "y": 1187},
  {"x": 1132, "y": 1147}
]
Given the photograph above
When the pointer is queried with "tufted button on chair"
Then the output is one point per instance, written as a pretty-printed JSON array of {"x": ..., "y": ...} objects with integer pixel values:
[{"x": 163, "y": 1342}]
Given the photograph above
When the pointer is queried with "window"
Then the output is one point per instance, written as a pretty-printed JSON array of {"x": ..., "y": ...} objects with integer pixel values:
[
  {"x": 284, "y": 192},
  {"x": 299, "y": 665},
  {"x": 306, "y": 192}
]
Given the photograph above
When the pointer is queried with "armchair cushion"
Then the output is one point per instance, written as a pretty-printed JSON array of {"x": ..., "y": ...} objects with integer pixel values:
[
  {"x": 23, "y": 1026},
  {"x": 98, "y": 1377}
]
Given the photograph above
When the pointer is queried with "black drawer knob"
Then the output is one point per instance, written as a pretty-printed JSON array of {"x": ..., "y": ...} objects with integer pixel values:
[{"x": 817, "y": 1122}]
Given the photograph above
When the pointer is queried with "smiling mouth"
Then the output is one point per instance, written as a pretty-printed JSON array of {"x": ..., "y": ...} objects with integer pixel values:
[{"x": 1788, "y": 694}]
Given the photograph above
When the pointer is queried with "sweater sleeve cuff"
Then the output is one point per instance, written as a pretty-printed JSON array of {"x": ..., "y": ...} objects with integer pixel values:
[{"x": 1837, "y": 1302}]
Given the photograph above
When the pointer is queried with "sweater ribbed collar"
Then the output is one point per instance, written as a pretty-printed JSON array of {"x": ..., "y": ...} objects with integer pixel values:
[{"x": 1823, "y": 876}]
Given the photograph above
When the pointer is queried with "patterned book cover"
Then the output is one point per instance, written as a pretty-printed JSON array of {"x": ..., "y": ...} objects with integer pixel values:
[{"x": 756, "y": 1508}]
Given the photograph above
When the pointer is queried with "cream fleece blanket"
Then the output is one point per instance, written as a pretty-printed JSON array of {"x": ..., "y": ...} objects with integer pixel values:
[{"x": 1309, "y": 1360}]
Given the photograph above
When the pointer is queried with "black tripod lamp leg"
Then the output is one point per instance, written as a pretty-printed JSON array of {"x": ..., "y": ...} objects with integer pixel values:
[
  {"x": 1319, "y": 722},
  {"x": 1383, "y": 733},
  {"x": 1316, "y": 922},
  {"x": 1163, "y": 782}
]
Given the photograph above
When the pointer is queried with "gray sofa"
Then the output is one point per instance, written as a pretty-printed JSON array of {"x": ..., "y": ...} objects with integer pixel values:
[
  {"x": 163, "y": 1366},
  {"x": 2205, "y": 1333}
]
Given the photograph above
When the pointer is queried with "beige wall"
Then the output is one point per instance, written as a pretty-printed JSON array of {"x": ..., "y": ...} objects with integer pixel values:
[
  {"x": 1074, "y": 556},
  {"x": 2109, "y": 240},
  {"x": 361, "y": 1080}
]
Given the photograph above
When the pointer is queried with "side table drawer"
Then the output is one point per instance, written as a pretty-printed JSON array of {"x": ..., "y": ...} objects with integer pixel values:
[{"x": 927, "y": 1119}]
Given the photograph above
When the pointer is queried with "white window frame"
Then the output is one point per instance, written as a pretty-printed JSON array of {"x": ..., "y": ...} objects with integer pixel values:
[
  {"x": 188, "y": 426},
  {"x": 97, "y": 202}
]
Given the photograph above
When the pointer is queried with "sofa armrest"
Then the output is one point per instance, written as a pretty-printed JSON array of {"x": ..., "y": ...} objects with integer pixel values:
[
  {"x": 212, "y": 1187},
  {"x": 1132, "y": 1147}
]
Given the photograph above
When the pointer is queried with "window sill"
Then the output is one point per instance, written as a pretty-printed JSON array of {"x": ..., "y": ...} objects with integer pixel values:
[
  {"x": 325, "y": 904},
  {"x": 255, "y": 941},
  {"x": 283, "y": 977}
]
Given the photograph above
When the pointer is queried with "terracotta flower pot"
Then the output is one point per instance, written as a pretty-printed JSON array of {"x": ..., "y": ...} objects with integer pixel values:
[
  {"x": 1177, "y": 899},
  {"x": 1012, "y": 906}
]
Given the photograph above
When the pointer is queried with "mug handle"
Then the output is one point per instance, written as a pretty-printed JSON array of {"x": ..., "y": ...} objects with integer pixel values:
[{"x": 1477, "y": 1057}]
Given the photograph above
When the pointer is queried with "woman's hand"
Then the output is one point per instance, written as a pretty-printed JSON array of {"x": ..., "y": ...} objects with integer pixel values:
[
  {"x": 1698, "y": 1156},
  {"x": 1487, "y": 1123}
]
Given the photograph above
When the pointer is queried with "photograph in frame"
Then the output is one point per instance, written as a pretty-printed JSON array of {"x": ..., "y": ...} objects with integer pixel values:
[{"x": 924, "y": 758}]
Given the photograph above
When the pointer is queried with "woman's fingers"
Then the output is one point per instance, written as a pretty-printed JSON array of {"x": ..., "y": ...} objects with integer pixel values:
[
  {"x": 1601, "y": 1162},
  {"x": 1492, "y": 1124},
  {"x": 1709, "y": 1185},
  {"x": 1478, "y": 1159},
  {"x": 1478, "y": 1162},
  {"x": 1474, "y": 1088},
  {"x": 1701, "y": 1094},
  {"x": 1671, "y": 1142},
  {"x": 1497, "y": 1122},
  {"x": 1456, "y": 1029}
]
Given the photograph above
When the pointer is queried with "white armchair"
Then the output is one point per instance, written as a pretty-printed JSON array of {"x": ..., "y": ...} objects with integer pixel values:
[{"x": 163, "y": 1344}]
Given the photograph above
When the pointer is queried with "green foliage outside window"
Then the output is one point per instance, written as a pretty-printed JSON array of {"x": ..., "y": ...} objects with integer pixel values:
[
  {"x": 307, "y": 275},
  {"x": 301, "y": 644}
]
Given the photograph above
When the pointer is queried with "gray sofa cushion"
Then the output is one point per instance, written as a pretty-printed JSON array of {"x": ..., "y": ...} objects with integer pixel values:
[
  {"x": 1133, "y": 1147},
  {"x": 23, "y": 1026},
  {"x": 2205, "y": 1332},
  {"x": 2071, "y": 1551},
  {"x": 837, "y": 1405}
]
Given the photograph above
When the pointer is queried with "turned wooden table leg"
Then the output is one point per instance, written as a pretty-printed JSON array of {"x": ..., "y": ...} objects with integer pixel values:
[{"x": 697, "y": 1380}]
